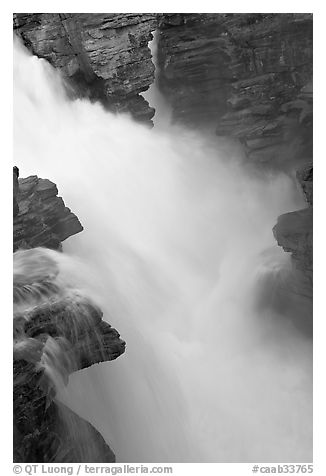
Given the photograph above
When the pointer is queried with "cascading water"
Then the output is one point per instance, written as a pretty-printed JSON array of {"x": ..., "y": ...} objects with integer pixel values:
[{"x": 177, "y": 241}]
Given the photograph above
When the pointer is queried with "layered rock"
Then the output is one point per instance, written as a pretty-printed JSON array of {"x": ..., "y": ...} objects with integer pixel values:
[
  {"x": 294, "y": 232},
  {"x": 249, "y": 76},
  {"x": 56, "y": 332},
  {"x": 40, "y": 216},
  {"x": 105, "y": 54}
]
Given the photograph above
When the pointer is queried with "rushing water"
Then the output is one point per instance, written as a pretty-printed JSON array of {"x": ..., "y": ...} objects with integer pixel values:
[{"x": 177, "y": 249}]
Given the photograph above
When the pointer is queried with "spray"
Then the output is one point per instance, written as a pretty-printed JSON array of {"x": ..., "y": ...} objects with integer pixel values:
[{"x": 177, "y": 240}]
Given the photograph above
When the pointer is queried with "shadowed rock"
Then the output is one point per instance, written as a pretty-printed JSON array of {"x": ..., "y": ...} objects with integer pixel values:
[
  {"x": 49, "y": 432},
  {"x": 56, "y": 331},
  {"x": 294, "y": 232},
  {"x": 246, "y": 76}
]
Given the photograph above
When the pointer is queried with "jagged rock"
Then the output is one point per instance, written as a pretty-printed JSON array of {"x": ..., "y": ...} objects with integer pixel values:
[
  {"x": 248, "y": 74},
  {"x": 56, "y": 332},
  {"x": 85, "y": 339},
  {"x": 294, "y": 232},
  {"x": 50, "y": 432},
  {"x": 40, "y": 216},
  {"x": 105, "y": 54}
]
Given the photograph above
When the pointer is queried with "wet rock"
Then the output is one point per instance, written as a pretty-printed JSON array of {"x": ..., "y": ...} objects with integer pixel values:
[
  {"x": 49, "y": 432},
  {"x": 77, "y": 326},
  {"x": 106, "y": 55},
  {"x": 56, "y": 331},
  {"x": 40, "y": 216}
]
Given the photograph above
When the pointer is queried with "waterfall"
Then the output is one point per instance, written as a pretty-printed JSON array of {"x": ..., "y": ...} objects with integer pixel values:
[{"x": 177, "y": 250}]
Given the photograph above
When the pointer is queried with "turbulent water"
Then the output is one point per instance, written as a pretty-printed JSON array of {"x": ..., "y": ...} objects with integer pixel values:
[{"x": 178, "y": 251}]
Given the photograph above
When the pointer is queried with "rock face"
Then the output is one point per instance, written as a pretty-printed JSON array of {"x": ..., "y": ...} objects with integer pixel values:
[
  {"x": 294, "y": 232},
  {"x": 41, "y": 432},
  {"x": 248, "y": 76},
  {"x": 105, "y": 54},
  {"x": 56, "y": 332},
  {"x": 40, "y": 216}
]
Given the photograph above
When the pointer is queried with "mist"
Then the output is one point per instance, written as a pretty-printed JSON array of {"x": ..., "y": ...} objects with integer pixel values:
[{"x": 177, "y": 249}]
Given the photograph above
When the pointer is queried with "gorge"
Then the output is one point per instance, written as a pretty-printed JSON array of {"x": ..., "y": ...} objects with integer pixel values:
[{"x": 174, "y": 247}]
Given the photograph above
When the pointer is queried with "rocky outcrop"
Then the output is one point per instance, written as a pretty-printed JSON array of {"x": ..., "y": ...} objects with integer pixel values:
[
  {"x": 50, "y": 432},
  {"x": 248, "y": 76},
  {"x": 40, "y": 216},
  {"x": 106, "y": 55},
  {"x": 56, "y": 332},
  {"x": 294, "y": 232}
]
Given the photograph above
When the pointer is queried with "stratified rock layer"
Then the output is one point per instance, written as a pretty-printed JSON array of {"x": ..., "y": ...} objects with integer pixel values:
[
  {"x": 294, "y": 232},
  {"x": 105, "y": 54},
  {"x": 248, "y": 76},
  {"x": 40, "y": 216}
]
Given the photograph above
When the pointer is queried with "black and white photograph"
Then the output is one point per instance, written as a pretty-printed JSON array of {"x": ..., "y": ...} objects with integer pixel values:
[{"x": 162, "y": 240}]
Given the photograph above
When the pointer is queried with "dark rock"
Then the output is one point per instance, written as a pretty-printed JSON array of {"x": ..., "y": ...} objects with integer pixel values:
[
  {"x": 41, "y": 218},
  {"x": 248, "y": 76},
  {"x": 294, "y": 232},
  {"x": 305, "y": 179},
  {"x": 56, "y": 332},
  {"x": 77, "y": 323},
  {"x": 49, "y": 432},
  {"x": 106, "y": 55}
]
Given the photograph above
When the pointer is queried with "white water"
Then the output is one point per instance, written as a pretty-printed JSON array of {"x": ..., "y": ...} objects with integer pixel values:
[{"x": 177, "y": 239}]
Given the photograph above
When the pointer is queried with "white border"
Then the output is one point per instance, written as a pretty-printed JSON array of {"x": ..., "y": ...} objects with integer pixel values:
[{"x": 319, "y": 197}]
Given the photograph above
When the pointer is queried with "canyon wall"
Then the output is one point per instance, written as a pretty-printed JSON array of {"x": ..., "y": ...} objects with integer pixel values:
[
  {"x": 244, "y": 76},
  {"x": 247, "y": 76},
  {"x": 105, "y": 56},
  {"x": 55, "y": 332}
]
